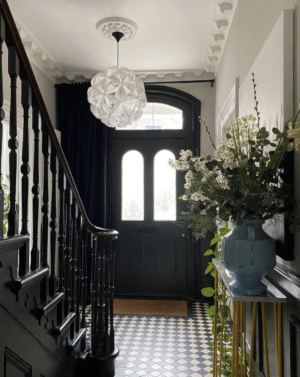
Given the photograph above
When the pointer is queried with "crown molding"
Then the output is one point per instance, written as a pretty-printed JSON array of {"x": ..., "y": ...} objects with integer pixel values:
[
  {"x": 222, "y": 18},
  {"x": 37, "y": 53}
]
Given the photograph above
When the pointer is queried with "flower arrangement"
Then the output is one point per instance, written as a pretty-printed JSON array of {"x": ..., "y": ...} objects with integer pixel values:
[{"x": 244, "y": 178}]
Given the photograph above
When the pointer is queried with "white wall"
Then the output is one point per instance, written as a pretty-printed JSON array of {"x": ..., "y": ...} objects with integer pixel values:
[
  {"x": 252, "y": 24},
  {"x": 46, "y": 86},
  {"x": 47, "y": 89},
  {"x": 206, "y": 95}
]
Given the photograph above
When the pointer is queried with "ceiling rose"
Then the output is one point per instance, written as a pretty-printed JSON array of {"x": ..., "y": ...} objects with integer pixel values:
[{"x": 109, "y": 25}]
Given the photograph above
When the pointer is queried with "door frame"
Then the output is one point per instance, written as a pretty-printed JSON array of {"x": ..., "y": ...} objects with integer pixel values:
[{"x": 191, "y": 106}]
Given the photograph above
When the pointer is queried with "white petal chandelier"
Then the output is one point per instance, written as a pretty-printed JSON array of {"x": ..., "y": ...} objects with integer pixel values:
[{"x": 117, "y": 96}]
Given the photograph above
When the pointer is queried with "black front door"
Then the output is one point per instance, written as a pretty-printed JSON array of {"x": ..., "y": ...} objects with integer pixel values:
[
  {"x": 151, "y": 251},
  {"x": 154, "y": 254}
]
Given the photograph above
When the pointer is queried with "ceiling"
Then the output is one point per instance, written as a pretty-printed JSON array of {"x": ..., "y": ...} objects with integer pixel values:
[{"x": 181, "y": 38}]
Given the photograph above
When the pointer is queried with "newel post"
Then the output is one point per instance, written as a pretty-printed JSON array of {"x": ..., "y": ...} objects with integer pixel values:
[{"x": 103, "y": 352}]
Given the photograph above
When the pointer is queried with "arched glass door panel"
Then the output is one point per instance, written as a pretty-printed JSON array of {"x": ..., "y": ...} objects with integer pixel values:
[
  {"x": 157, "y": 116},
  {"x": 164, "y": 187},
  {"x": 133, "y": 186}
]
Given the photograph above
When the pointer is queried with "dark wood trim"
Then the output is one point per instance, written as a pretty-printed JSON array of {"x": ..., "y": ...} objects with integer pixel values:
[
  {"x": 294, "y": 328},
  {"x": 17, "y": 362},
  {"x": 26, "y": 72},
  {"x": 42, "y": 346}
]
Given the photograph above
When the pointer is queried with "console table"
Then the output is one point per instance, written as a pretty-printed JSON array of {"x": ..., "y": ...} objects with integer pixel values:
[{"x": 274, "y": 296}]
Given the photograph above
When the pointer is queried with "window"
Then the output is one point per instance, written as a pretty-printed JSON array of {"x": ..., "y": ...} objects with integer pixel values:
[
  {"x": 133, "y": 186},
  {"x": 158, "y": 116},
  {"x": 164, "y": 187}
]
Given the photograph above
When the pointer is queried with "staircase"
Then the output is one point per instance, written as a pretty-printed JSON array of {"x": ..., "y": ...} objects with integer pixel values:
[{"x": 44, "y": 269}]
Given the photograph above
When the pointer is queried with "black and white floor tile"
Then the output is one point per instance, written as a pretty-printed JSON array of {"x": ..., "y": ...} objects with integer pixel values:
[{"x": 163, "y": 346}]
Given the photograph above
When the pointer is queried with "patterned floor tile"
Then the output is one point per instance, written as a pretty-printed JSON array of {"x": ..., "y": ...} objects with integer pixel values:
[{"x": 156, "y": 346}]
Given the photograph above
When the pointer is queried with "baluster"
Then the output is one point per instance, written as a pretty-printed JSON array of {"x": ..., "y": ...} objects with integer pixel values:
[
  {"x": 74, "y": 256},
  {"x": 78, "y": 271},
  {"x": 2, "y": 116},
  {"x": 53, "y": 222},
  {"x": 68, "y": 250},
  {"x": 13, "y": 70},
  {"x": 94, "y": 294},
  {"x": 36, "y": 125},
  {"x": 25, "y": 168},
  {"x": 61, "y": 237},
  {"x": 45, "y": 209},
  {"x": 107, "y": 295},
  {"x": 112, "y": 291},
  {"x": 84, "y": 278},
  {"x": 101, "y": 290}
]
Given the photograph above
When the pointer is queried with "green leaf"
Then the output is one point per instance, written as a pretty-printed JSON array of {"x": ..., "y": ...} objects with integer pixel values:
[
  {"x": 275, "y": 131},
  {"x": 211, "y": 311},
  {"x": 208, "y": 252},
  {"x": 208, "y": 292},
  {"x": 227, "y": 338},
  {"x": 216, "y": 239},
  {"x": 209, "y": 268}
]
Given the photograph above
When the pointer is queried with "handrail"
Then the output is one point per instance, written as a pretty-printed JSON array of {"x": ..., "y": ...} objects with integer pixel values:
[{"x": 13, "y": 39}]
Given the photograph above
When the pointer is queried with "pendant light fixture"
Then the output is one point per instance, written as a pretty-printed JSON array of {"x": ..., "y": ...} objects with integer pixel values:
[{"x": 117, "y": 96}]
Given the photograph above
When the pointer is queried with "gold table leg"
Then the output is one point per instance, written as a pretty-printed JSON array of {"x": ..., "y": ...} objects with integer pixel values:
[
  {"x": 253, "y": 327},
  {"x": 235, "y": 338},
  {"x": 265, "y": 335},
  {"x": 215, "y": 360},
  {"x": 278, "y": 337},
  {"x": 222, "y": 329},
  {"x": 243, "y": 337}
]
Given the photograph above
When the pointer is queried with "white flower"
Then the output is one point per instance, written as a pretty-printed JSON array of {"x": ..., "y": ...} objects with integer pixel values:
[
  {"x": 185, "y": 154},
  {"x": 189, "y": 176}
]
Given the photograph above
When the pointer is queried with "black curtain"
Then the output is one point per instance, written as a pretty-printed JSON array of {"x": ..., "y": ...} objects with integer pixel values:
[{"x": 86, "y": 144}]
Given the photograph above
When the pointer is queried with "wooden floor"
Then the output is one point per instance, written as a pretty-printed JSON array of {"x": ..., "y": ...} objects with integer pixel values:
[{"x": 150, "y": 307}]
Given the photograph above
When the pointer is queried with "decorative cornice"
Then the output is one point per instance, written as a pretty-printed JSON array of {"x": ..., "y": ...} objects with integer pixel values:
[
  {"x": 37, "y": 53},
  {"x": 223, "y": 15}
]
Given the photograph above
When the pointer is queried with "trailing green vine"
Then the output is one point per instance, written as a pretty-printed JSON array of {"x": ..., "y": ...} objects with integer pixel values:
[{"x": 223, "y": 310}]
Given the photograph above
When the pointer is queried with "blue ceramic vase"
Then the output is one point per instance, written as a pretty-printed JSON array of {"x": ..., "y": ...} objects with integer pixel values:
[{"x": 249, "y": 254}]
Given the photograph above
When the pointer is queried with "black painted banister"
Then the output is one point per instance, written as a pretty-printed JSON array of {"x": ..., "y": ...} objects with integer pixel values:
[
  {"x": 25, "y": 168},
  {"x": 63, "y": 287},
  {"x": 13, "y": 39},
  {"x": 2, "y": 116},
  {"x": 13, "y": 70}
]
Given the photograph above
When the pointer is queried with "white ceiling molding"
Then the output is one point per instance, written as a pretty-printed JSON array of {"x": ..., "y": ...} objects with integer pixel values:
[
  {"x": 38, "y": 55},
  {"x": 223, "y": 15}
]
